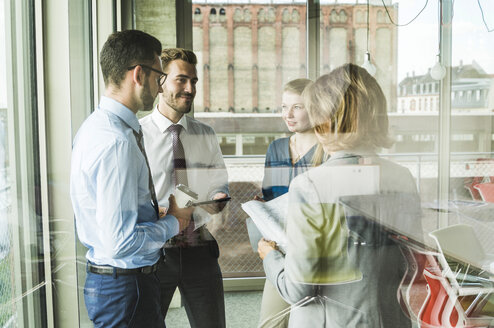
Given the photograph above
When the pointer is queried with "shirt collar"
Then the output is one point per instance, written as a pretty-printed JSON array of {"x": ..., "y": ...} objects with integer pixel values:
[
  {"x": 163, "y": 123},
  {"x": 123, "y": 112},
  {"x": 351, "y": 153}
]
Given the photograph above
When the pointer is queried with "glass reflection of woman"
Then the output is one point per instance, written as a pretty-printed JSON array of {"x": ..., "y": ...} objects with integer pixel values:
[
  {"x": 352, "y": 284},
  {"x": 285, "y": 159}
]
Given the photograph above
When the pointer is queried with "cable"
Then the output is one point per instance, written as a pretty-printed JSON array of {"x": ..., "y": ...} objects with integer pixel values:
[
  {"x": 483, "y": 17},
  {"x": 392, "y": 22},
  {"x": 367, "y": 25}
]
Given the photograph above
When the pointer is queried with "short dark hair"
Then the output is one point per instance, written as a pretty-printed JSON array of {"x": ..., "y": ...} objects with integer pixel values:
[
  {"x": 170, "y": 54},
  {"x": 124, "y": 49}
]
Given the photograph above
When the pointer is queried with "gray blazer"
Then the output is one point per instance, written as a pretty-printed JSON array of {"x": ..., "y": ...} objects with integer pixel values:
[{"x": 341, "y": 269}]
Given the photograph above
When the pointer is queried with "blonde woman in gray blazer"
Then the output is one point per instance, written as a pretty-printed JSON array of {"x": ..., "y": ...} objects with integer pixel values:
[{"x": 342, "y": 267}]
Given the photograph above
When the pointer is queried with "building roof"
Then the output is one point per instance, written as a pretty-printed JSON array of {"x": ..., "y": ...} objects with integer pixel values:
[
  {"x": 460, "y": 72},
  {"x": 464, "y": 73},
  {"x": 298, "y": 2}
]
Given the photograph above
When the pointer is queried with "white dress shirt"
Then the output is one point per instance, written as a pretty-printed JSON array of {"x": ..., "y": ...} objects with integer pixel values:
[
  {"x": 206, "y": 171},
  {"x": 109, "y": 187}
]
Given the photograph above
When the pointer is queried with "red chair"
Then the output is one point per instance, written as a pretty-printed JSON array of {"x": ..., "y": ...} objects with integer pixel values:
[
  {"x": 486, "y": 191},
  {"x": 470, "y": 183}
]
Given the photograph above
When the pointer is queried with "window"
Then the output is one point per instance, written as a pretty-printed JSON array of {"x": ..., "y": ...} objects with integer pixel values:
[
  {"x": 268, "y": 43},
  {"x": 22, "y": 252}
]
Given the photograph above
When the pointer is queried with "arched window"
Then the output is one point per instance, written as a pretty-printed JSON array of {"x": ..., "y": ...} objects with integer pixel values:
[
  {"x": 271, "y": 15},
  {"x": 380, "y": 17},
  {"x": 343, "y": 16},
  {"x": 334, "y": 18},
  {"x": 247, "y": 15},
  {"x": 238, "y": 15},
  {"x": 222, "y": 11},
  {"x": 261, "y": 15},
  {"x": 213, "y": 11},
  {"x": 295, "y": 16},
  {"x": 197, "y": 15},
  {"x": 285, "y": 17}
]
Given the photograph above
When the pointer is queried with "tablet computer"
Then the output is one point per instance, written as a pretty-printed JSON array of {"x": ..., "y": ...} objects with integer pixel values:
[{"x": 207, "y": 202}]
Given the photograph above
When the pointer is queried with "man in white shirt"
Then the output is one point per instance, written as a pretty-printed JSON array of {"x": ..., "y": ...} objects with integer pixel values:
[{"x": 182, "y": 150}]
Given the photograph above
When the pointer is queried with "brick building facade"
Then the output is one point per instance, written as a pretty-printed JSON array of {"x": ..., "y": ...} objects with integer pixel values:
[{"x": 247, "y": 50}]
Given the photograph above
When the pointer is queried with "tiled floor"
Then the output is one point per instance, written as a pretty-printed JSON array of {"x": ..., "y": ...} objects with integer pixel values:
[{"x": 242, "y": 311}]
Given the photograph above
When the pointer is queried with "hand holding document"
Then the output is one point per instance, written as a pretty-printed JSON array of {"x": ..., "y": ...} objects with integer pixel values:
[{"x": 268, "y": 221}]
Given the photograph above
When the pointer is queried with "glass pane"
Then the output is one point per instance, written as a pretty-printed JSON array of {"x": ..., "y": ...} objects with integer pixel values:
[
  {"x": 247, "y": 51},
  {"x": 6, "y": 312},
  {"x": 22, "y": 277},
  {"x": 402, "y": 57},
  {"x": 472, "y": 101}
]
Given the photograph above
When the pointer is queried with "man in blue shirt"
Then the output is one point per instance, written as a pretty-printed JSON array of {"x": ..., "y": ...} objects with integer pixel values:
[{"x": 113, "y": 194}]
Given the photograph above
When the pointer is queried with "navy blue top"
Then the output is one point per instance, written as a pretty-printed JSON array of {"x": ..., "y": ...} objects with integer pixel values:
[{"x": 279, "y": 170}]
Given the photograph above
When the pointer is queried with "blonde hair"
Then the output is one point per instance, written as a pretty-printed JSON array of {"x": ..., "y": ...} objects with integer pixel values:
[
  {"x": 297, "y": 87},
  {"x": 348, "y": 109}
]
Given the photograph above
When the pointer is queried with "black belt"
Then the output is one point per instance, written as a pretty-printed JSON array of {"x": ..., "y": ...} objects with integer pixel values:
[{"x": 109, "y": 270}]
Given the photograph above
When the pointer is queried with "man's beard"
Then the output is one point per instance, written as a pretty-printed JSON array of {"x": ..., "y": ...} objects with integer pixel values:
[
  {"x": 146, "y": 97},
  {"x": 173, "y": 103}
]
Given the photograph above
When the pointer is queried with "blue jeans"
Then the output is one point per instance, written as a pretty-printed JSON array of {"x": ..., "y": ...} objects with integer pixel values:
[{"x": 123, "y": 301}]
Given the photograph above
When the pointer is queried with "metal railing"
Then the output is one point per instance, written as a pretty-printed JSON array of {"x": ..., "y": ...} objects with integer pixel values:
[{"x": 246, "y": 174}]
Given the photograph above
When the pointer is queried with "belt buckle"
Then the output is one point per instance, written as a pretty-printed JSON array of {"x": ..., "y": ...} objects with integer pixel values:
[{"x": 147, "y": 270}]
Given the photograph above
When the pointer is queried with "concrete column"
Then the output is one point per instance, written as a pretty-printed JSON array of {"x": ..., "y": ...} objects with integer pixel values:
[
  {"x": 255, "y": 60},
  {"x": 205, "y": 52},
  {"x": 231, "y": 72}
]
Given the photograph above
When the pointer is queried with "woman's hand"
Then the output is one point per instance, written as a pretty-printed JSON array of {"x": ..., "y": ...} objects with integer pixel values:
[
  {"x": 264, "y": 247},
  {"x": 259, "y": 198}
]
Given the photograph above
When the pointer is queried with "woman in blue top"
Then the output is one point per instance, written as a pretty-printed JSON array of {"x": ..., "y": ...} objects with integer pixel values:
[
  {"x": 290, "y": 156},
  {"x": 286, "y": 158}
]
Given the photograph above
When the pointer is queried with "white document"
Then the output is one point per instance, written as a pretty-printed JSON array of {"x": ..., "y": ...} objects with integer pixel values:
[
  {"x": 270, "y": 218},
  {"x": 345, "y": 180}
]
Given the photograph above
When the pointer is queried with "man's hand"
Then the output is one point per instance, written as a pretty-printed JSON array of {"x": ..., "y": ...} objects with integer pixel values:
[
  {"x": 258, "y": 198},
  {"x": 162, "y": 211},
  {"x": 183, "y": 215},
  {"x": 264, "y": 247},
  {"x": 216, "y": 207}
]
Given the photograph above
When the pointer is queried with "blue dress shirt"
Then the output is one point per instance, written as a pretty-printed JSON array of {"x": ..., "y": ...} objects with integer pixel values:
[
  {"x": 110, "y": 194},
  {"x": 279, "y": 170}
]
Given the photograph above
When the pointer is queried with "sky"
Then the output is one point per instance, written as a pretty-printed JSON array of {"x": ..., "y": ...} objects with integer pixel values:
[{"x": 417, "y": 42}]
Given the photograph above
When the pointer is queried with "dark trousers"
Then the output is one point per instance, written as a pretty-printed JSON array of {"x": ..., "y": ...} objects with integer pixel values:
[
  {"x": 123, "y": 301},
  {"x": 195, "y": 271}
]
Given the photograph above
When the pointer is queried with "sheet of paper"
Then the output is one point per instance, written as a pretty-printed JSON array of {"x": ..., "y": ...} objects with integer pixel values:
[{"x": 270, "y": 218}]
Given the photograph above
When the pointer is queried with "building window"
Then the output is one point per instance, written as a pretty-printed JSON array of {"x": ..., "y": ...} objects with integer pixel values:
[
  {"x": 213, "y": 11},
  {"x": 197, "y": 11},
  {"x": 222, "y": 11},
  {"x": 285, "y": 17}
]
